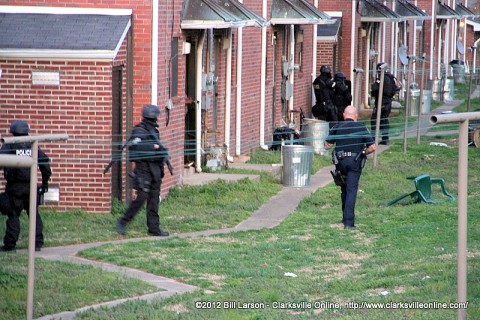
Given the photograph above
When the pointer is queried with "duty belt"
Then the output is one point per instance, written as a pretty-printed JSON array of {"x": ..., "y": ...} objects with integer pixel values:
[{"x": 343, "y": 154}]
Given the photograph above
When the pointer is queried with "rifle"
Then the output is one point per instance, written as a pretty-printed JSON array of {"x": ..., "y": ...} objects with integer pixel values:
[
  {"x": 163, "y": 151},
  {"x": 110, "y": 164}
]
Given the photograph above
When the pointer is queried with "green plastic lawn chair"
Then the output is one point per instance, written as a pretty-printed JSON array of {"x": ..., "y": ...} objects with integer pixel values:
[{"x": 423, "y": 190}]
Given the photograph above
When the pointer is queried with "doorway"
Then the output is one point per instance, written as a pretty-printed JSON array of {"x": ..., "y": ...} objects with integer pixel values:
[{"x": 117, "y": 139}]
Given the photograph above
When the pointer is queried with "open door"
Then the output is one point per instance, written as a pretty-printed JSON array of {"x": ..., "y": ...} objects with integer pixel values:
[{"x": 117, "y": 138}]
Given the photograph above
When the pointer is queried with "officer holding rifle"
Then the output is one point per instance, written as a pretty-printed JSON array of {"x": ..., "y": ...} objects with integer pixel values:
[
  {"x": 149, "y": 157},
  {"x": 352, "y": 144}
]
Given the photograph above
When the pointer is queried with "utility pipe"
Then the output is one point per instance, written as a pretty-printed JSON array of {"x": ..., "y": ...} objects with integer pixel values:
[
  {"x": 263, "y": 77},
  {"x": 407, "y": 102},
  {"x": 32, "y": 219},
  {"x": 238, "y": 103},
  {"x": 421, "y": 97},
  {"x": 228, "y": 95},
  {"x": 367, "y": 65},
  {"x": 392, "y": 48},
  {"x": 353, "y": 38},
  {"x": 448, "y": 47},
  {"x": 395, "y": 60},
  {"x": 475, "y": 45},
  {"x": 439, "y": 54},
  {"x": 414, "y": 31},
  {"x": 198, "y": 102},
  {"x": 314, "y": 58},
  {"x": 432, "y": 38},
  {"x": 32, "y": 223},
  {"x": 357, "y": 88},
  {"x": 462, "y": 119},
  {"x": 154, "y": 80},
  {"x": 291, "y": 75},
  {"x": 383, "y": 40}
]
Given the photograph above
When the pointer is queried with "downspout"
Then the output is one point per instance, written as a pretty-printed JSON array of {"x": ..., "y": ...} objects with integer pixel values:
[
  {"x": 154, "y": 80},
  {"x": 419, "y": 54},
  {"x": 198, "y": 101},
  {"x": 292, "y": 68},
  {"x": 314, "y": 56},
  {"x": 367, "y": 65},
  {"x": 392, "y": 49},
  {"x": 448, "y": 47},
  {"x": 352, "y": 45},
  {"x": 439, "y": 54},
  {"x": 263, "y": 77},
  {"x": 238, "y": 103},
  {"x": 228, "y": 95},
  {"x": 432, "y": 37},
  {"x": 383, "y": 40},
  {"x": 475, "y": 45}
]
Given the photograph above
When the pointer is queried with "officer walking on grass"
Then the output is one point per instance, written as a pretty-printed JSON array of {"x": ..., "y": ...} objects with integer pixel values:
[
  {"x": 352, "y": 144},
  {"x": 149, "y": 157},
  {"x": 17, "y": 191}
]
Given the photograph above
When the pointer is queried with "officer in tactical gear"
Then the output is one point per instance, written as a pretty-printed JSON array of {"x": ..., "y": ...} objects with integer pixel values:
[
  {"x": 323, "y": 86},
  {"x": 17, "y": 191},
  {"x": 342, "y": 97},
  {"x": 352, "y": 144},
  {"x": 149, "y": 157},
  {"x": 389, "y": 90}
]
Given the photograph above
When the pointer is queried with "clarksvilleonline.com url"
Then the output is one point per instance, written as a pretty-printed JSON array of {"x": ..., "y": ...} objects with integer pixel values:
[
  {"x": 328, "y": 305},
  {"x": 407, "y": 305}
]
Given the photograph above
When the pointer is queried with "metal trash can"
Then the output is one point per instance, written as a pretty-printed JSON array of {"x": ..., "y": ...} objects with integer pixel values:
[
  {"x": 427, "y": 101},
  {"x": 448, "y": 89},
  {"x": 297, "y": 165},
  {"x": 414, "y": 103},
  {"x": 436, "y": 86},
  {"x": 314, "y": 133},
  {"x": 458, "y": 67}
]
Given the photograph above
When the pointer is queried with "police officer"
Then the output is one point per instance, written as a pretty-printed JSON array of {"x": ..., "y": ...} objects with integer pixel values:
[
  {"x": 323, "y": 87},
  {"x": 342, "y": 97},
  {"x": 17, "y": 191},
  {"x": 352, "y": 143},
  {"x": 389, "y": 90},
  {"x": 148, "y": 156}
]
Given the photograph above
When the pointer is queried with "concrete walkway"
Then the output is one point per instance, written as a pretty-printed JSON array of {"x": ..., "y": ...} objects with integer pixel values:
[{"x": 269, "y": 215}]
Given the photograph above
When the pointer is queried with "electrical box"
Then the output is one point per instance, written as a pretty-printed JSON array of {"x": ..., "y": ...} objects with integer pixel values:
[
  {"x": 287, "y": 90},
  {"x": 186, "y": 47},
  {"x": 285, "y": 68}
]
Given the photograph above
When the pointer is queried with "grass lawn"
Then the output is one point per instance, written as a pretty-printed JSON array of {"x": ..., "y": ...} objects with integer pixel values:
[
  {"x": 404, "y": 253},
  {"x": 307, "y": 267}
]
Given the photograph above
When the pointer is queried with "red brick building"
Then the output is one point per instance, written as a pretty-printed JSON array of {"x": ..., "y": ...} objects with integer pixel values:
[{"x": 217, "y": 90}]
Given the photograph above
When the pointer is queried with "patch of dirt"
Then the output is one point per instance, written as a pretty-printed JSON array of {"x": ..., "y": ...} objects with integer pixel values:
[{"x": 178, "y": 308}]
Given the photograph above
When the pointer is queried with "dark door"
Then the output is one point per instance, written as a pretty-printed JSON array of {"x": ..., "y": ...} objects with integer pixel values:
[{"x": 117, "y": 139}]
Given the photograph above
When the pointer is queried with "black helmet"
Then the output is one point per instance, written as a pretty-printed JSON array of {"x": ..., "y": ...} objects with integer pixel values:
[
  {"x": 150, "y": 111},
  {"x": 340, "y": 75},
  {"x": 325, "y": 69},
  {"x": 19, "y": 128}
]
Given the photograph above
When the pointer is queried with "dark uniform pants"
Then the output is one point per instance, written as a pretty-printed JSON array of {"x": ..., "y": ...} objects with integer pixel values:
[
  {"x": 12, "y": 202},
  {"x": 352, "y": 170},
  {"x": 384, "y": 121},
  {"x": 152, "y": 199}
]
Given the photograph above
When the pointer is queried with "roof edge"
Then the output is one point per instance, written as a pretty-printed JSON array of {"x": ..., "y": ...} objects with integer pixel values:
[
  {"x": 47, "y": 54},
  {"x": 65, "y": 10}
]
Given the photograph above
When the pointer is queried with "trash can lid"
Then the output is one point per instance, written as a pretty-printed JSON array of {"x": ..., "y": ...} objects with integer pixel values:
[{"x": 457, "y": 61}]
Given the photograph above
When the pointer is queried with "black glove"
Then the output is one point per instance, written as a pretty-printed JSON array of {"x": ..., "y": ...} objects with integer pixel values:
[{"x": 43, "y": 188}]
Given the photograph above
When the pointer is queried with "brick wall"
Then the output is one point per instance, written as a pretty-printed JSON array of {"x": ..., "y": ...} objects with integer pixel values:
[
  {"x": 79, "y": 107},
  {"x": 85, "y": 97}
]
